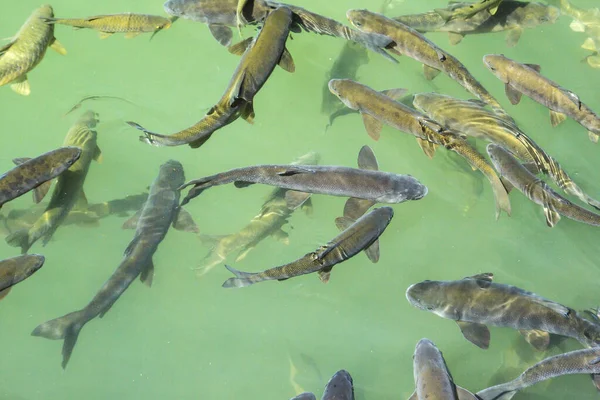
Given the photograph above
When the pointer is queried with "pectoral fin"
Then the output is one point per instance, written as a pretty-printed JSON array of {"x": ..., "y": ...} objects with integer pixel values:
[
  {"x": 98, "y": 155},
  {"x": 343, "y": 223},
  {"x": 147, "y": 274},
  {"x": 552, "y": 217},
  {"x": 427, "y": 147},
  {"x": 239, "y": 48},
  {"x": 536, "y": 67},
  {"x": 281, "y": 236},
  {"x": 58, "y": 47},
  {"x": 222, "y": 33},
  {"x": 430, "y": 73},
  {"x": 372, "y": 125},
  {"x": 356, "y": 208},
  {"x": 21, "y": 85},
  {"x": 244, "y": 253},
  {"x": 477, "y": 334},
  {"x": 593, "y": 136},
  {"x": 372, "y": 252},
  {"x": 556, "y": 118},
  {"x": 394, "y": 94},
  {"x": 514, "y": 96},
  {"x": 507, "y": 185},
  {"x": 4, "y": 292},
  {"x": 41, "y": 191},
  {"x": 588, "y": 44},
  {"x": 464, "y": 394},
  {"x": 248, "y": 113},
  {"x": 455, "y": 38},
  {"x": 540, "y": 340},
  {"x": 513, "y": 36},
  {"x": 184, "y": 222},
  {"x": 131, "y": 35},
  {"x": 132, "y": 222},
  {"x": 104, "y": 35},
  {"x": 7, "y": 46},
  {"x": 367, "y": 159},
  {"x": 325, "y": 274},
  {"x": 295, "y": 199},
  {"x": 286, "y": 61},
  {"x": 577, "y": 26}
]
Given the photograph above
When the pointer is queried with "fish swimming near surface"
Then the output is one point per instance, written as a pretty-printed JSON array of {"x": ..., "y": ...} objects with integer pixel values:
[
  {"x": 69, "y": 187},
  {"x": 160, "y": 211},
  {"x": 526, "y": 79},
  {"x": 95, "y": 97},
  {"x": 36, "y": 173},
  {"x": 586, "y": 361},
  {"x": 432, "y": 378},
  {"x": 357, "y": 236},
  {"x": 17, "y": 269},
  {"x": 378, "y": 108},
  {"x": 536, "y": 190},
  {"x": 259, "y": 59},
  {"x": 26, "y": 50},
  {"x": 467, "y": 10},
  {"x": 476, "y": 302},
  {"x": 304, "y": 396},
  {"x": 339, "y": 387}
]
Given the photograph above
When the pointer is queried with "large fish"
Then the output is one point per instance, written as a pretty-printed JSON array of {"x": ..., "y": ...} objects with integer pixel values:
[
  {"x": 476, "y": 302},
  {"x": 379, "y": 108},
  {"x": 160, "y": 211},
  {"x": 432, "y": 378},
  {"x": 261, "y": 56},
  {"x": 17, "y": 269},
  {"x": 411, "y": 43},
  {"x": 339, "y": 387},
  {"x": 36, "y": 173},
  {"x": 537, "y": 190},
  {"x": 526, "y": 79},
  {"x": 69, "y": 187},
  {"x": 357, "y": 236},
  {"x": 26, "y": 49},
  {"x": 365, "y": 183}
]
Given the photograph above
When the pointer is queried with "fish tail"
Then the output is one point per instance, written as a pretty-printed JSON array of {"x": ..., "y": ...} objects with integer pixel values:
[
  {"x": 149, "y": 137},
  {"x": 67, "y": 328},
  {"x": 242, "y": 279},
  {"x": 49, "y": 20},
  {"x": 496, "y": 393},
  {"x": 19, "y": 239}
]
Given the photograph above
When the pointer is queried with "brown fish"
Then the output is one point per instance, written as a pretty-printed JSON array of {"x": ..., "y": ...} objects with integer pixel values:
[{"x": 16, "y": 269}]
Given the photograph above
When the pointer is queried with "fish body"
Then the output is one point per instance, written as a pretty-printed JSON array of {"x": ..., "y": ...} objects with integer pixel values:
[
  {"x": 476, "y": 302},
  {"x": 69, "y": 187},
  {"x": 27, "y": 49},
  {"x": 359, "y": 236},
  {"x": 34, "y": 172},
  {"x": 16, "y": 269},
  {"x": 467, "y": 10},
  {"x": 339, "y": 387},
  {"x": 129, "y": 23},
  {"x": 537, "y": 190}
]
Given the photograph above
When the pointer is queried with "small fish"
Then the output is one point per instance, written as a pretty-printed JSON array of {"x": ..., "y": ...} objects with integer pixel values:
[
  {"x": 27, "y": 49},
  {"x": 432, "y": 378},
  {"x": 526, "y": 79},
  {"x": 36, "y": 173},
  {"x": 96, "y": 97},
  {"x": 468, "y": 10},
  {"x": 475, "y": 302},
  {"x": 339, "y": 387},
  {"x": 304, "y": 396},
  {"x": 17, "y": 269},
  {"x": 586, "y": 361},
  {"x": 129, "y": 23},
  {"x": 160, "y": 211},
  {"x": 69, "y": 187},
  {"x": 260, "y": 56},
  {"x": 536, "y": 190}
]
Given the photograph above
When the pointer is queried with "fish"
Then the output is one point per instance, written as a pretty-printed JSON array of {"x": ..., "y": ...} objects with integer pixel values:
[
  {"x": 26, "y": 50},
  {"x": 304, "y": 396},
  {"x": 472, "y": 119},
  {"x": 339, "y": 387},
  {"x": 409, "y": 42},
  {"x": 36, "y": 173},
  {"x": 467, "y": 10},
  {"x": 378, "y": 108},
  {"x": 160, "y": 211},
  {"x": 432, "y": 377},
  {"x": 69, "y": 187},
  {"x": 586, "y": 361},
  {"x": 586, "y": 21},
  {"x": 512, "y": 16},
  {"x": 95, "y": 97},
  {"x": 259, "y": 59},
  {"x": 17, "y": 269},
  {"x": 273, "y": 215},
  {"x": 526, "y": 79},
  {"x": 364, "y": 183},
  {"x": 357, "y": 236},
  {"x": 129, "y": 23},
  {"x": 477, "y": 302},
  {"x": 537, "y": 190}
]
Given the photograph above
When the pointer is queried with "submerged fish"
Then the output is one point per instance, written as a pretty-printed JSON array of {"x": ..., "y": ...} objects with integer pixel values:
[
  {"x": 467, "y": 10},
  {"x": 69, "y": 187},
  {"x": 339, "y": 387},
  {"x": 95, "y": 97},
  {"x": 537, "y": 190},
  {"x": 432, "y": 378},
  {"x": 357, "y": 236},
  {"x": 261, "y": 56},
  {"x": 304, "y": 396},
  {"x": 36, "y": 173},
  {"x": 17, "y": 269},
  {"x": 476, "y": 302},
  {"x": 526, "y": 79},
  {"x": 160, "y": 211},
  {"x": 26, "y": 50}
]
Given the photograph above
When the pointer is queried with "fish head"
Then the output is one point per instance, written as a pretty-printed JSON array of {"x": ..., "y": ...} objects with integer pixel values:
[
  {"x": 181, "y": 8},
  {"x": 68, "y": 156},
  {"x": 404, "y": 187},
  {"x": 426, "y": 356},
  {"x": 340, "y": 386},
  {"x": 424, "y": 102},
  {"x": 535, "y": 14},
  {"x": 435, "y": 297},
  {"x": 89, "y": 118},
  {"x": 498, "y": 65},
  {"x": 343, "y": 89},
  {"x": 363, "y": 20},
  {"x": 172, "y": 172},
  {"x": 31, "y": 264},
  {"x": 499, "y": 156}
]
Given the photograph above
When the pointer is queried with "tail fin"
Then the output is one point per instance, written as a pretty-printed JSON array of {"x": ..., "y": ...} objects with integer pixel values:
[
  {"x": 20, "y": 239},
  {"x": 67, "y": 328},
  {"x": 242, "y": 279},
  {"x": 377, "y": 43},
  {"x": 198, "y": 186}
]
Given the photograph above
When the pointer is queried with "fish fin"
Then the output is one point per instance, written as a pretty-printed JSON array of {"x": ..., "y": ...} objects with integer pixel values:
[
  {"x": 496, "y": 393},
  {"x": 67, "y": 328},
  {"x": 41, "y": 191},
  {"x": 184, "y": 222},
  {"x": 430, "y": 73},
  {"x": 593, "y": 136},
  {"x": 556, "y": 307},
  {"x": 295, "y": 199},
  {"x": 588, "y": 44},
  {"x": 194, "y": 145},
  {"x": 556, "y": 118},
  {"x": 367, "y": 159},
  {"x": 514, "y": 96},
  {"x": 307, "y": 207},
  {"x": 242, "y": 279},
  {"x": 132, "y": 221},
  {"x": 58, "y": 47},
  {"x": 105, "y": 35},
  {"x": 427, "y": 147},
  {"x": 324, "y": 250},
  {"x": 577, "y": 26},
  {"x": 394, "y": 94},
  {"x": 7, "y": 46},
  {"x": 131, "y": 245},
  {"x": 595, "y": 361},
  {"x": 455, "y": 38},
  {"x": 244, "y": 252},
  {"x": 478, "y": 102},
  {"x": 513, "y": 36},
  {"x": 531, "y": 167},
  {"x": 343, "y": 223},
  {"x": 248, "y": 113},
  {"x": 486, "y": 279},
  {"x": 294, "y": 170},
  {"x": 507, "y": 185},
  {"x": 84, "y": 218},
  {"x": 148, "y": 273},
  {"x": 4, "y": 292},
  {"x": 242, "y": 184},
  {"x": 239, "y": 48},
  {"x": 596, "y": 380},
  {"x": 478, "y": 334},
  {"x": 211, "y": 240},
  {"x": 286, "y": 61},
  {"x": 552, "y": 217},
  {"x": 20, "y": 160},
  {"x": 372, "y": 251},
  {"x": 21, "y": 85},
  {"x": 536, "y": 67},
  {"x": 372, "y": 125},
  {"x": 19, "y": 239},
  {"x": 540, "y": 340},
  {"x": 131, "y": 35},
  {"x": 324, "y": 274},
  {"x": 281, "y": 236},
  {"x": 98, "y": 155},
  {"x": 464, "y": 394},
  {"x": 444, "y": 13},
  {"x": 81, "y": 204},
  {"x": 414, "y": 396},
  {"x": 356, "y": 208}
]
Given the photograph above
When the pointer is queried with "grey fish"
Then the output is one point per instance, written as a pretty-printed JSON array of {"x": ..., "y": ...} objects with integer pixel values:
[
  {"x": 69, "y": 187},
  {"x": 17, "y": 269},
  {"x": 160, "y": 211},
  {"x": 304, "y": 396},
  {"x": 36, "y": 173},
  {"x": 467, "y": 10},
  {"x": 357, "y": 236},
  {"x": 537, "y": 190},
  {"x": 526, "y": 79},
  {"x": 432, "y": 377},
  {"x": 339, "y": 387},
  {"x": 586, "y": 361},
  {"x": 476, "y": 302},
  {"x": 364, "y": 183},
  {"x": 27, "y": 49}
]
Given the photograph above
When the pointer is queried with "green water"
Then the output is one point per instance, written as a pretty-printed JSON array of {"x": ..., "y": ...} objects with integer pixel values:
[{"x": 188, "y": 338}]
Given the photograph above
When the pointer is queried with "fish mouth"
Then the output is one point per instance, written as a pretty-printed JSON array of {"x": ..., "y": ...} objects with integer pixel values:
[
  {"x": 171, "y": 9},
  {"x": 411, "y": 299}
]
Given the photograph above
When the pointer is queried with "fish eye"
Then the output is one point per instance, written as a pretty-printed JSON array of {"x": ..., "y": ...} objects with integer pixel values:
[{"x": 429, "y": 308}]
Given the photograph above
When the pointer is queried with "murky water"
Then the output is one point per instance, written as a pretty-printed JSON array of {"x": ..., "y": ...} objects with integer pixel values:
[{"x": 186, "y": 337}]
